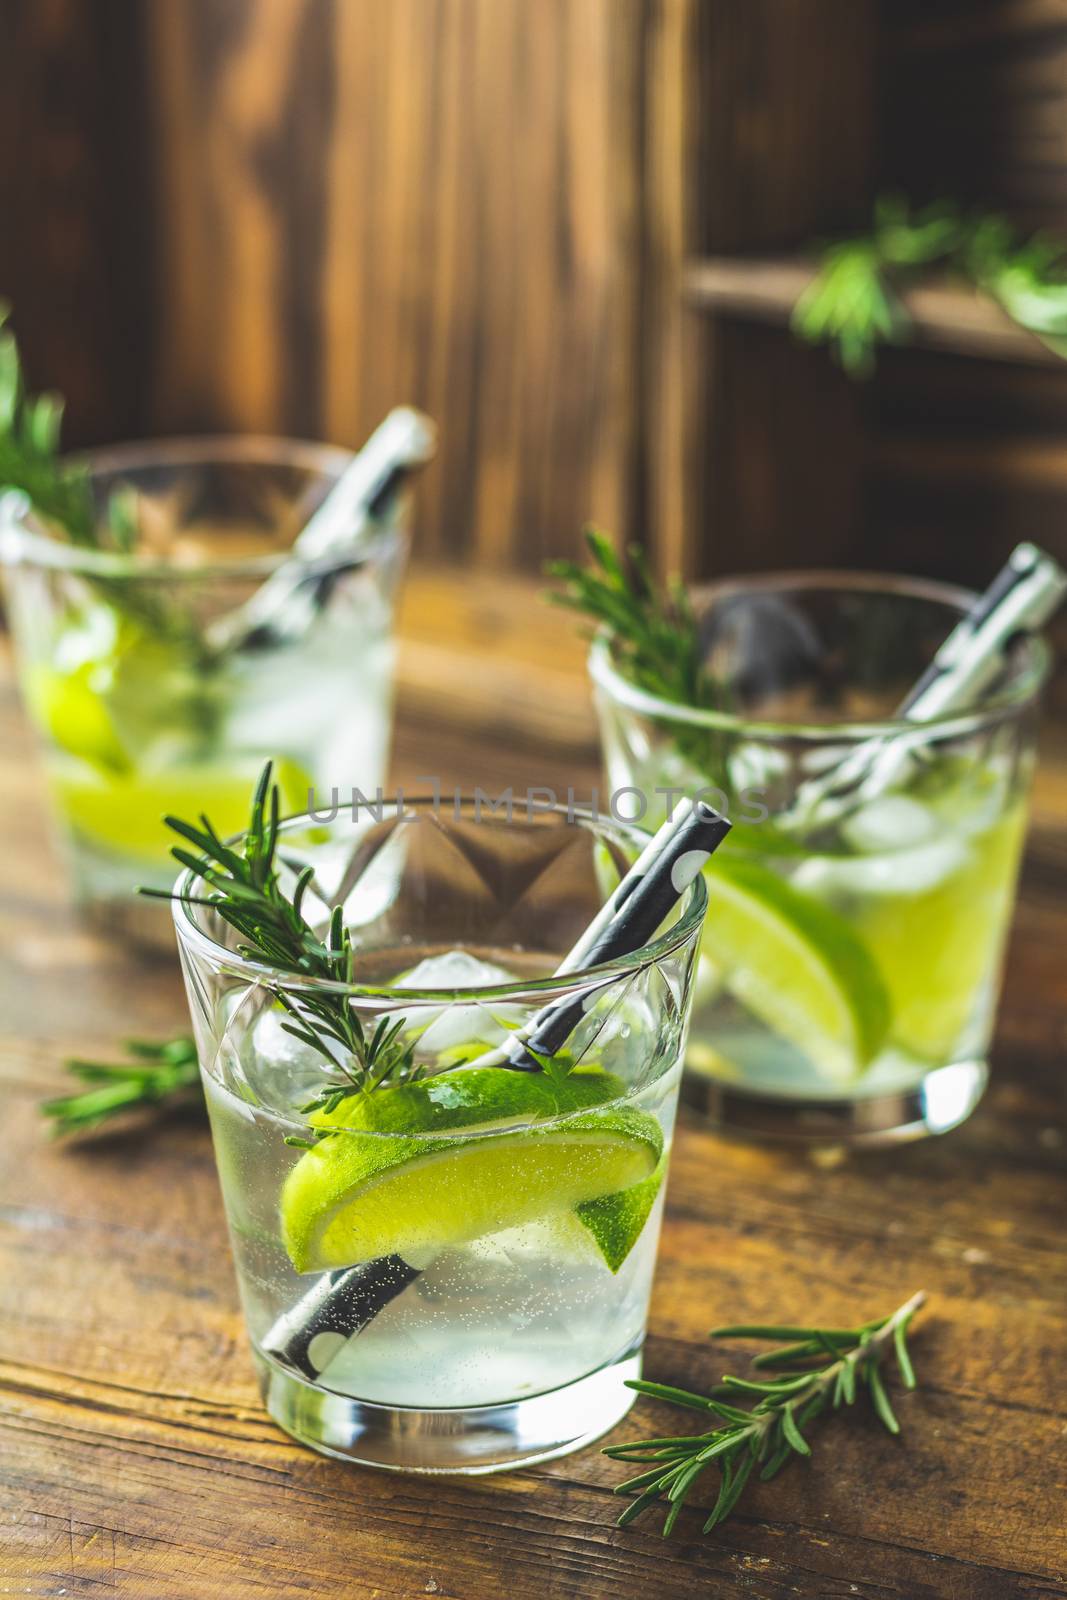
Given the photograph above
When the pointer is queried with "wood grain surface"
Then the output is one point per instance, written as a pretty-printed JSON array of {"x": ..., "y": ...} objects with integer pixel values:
[
  {"x": 942, "y": 315},
  {"x": 433, "y": 201},
  {"x": 76, "y": 256},
  {"x": 137, "y": 1464},
  {"x": 291, "y": 214},
  {"x": 972, "y": 102}
]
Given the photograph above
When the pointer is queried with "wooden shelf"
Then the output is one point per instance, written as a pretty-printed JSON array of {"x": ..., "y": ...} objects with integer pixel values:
[
  {"x": 944, "y": 317},
  {"x": 1028, "y": 465}
]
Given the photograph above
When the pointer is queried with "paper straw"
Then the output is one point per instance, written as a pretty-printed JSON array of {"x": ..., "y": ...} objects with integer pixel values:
[
  {"x": 285, "y": 605},
  {"x": 404, "y": 440},
  {"x": 626, "y": 921},
  {"x": 1020, "y": 600},
  {"x": 311, "y": 1334}
]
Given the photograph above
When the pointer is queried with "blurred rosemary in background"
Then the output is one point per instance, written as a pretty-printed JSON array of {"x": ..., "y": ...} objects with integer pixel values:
[
  {"x": 59, "y": 493},
  {"x": 653, "y": 629},
  {"x": 855, "y": 302},
  {"x": 155, "y": 1073}
]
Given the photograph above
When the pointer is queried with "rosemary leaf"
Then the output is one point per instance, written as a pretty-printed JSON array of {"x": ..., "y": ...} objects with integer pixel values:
[
  {"x": 653, "y": 632},
  {"x": 246, "y": 891},
  {"x": 61, "y": 497},
  {"x": 771, "y": 1434},
  {"x": 157, "y": 1074},
  {"x": 855, "y": 303}
]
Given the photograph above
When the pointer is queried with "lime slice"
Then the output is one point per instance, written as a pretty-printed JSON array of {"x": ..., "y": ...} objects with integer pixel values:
[
  {"x": 108, "y": 689},
  {"x": 70, "y": 712},
  {"x": 123, "y": 812},
  {"x": 938, "y": 945},
  {"x": 482, "y": 1097},
  {"x": 797, "y": 966},
  {"x": 616, "y": 1221},
  {"x": 370, "y": 1191}
]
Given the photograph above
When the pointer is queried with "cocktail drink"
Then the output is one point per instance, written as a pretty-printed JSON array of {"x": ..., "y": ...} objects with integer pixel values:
[
  {"x": 147, "y": 698},
  {"x": 444, "y": 1260},
  {"x": 850, "y": 965}
]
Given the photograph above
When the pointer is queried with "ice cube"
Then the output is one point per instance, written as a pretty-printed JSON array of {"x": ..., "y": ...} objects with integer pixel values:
[
  {"x": 381, "y": 882},
  {"x": 892, "y": 822},
  {"x": 924, "y": 868},
  {"x": 444, "y": 1027},
  {"x": 897, "y": 872},
  {"x": 454, "y": 969},
  {"x": 757, "y": 767},
  {"x": 283, "y": 1071}
]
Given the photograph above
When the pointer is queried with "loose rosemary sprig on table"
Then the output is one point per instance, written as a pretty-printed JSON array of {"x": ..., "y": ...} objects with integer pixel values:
[
  {"x": 818, "y": 1367},
  {"x": 154, "y": 1073},
  {"x": 247, "y": 892},
  {"x": 855, "y": 304}
]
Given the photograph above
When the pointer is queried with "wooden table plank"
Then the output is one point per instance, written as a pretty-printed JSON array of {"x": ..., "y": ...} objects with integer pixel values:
[{"x": 136, "y": 1461}]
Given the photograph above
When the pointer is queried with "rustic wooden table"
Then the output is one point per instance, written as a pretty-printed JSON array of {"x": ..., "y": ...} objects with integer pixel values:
[{"x": 134, "y": 1455}]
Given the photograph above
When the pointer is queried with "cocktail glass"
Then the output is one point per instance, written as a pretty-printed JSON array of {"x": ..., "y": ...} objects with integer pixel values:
[
  {"x": 455, "y": 1278},
  {"x": 140, "y": 710},
  {"x": 851, "y": 962}
]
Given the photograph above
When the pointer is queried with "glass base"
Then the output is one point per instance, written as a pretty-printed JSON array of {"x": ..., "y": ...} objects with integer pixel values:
[
  {"x": 941, "y": 1100},
  {"x": 462, "y": 1439}
]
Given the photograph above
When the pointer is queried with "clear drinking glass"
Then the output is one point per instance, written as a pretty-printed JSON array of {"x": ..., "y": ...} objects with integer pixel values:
[
  {"x": 850, "y": 964},
  {"x": 140, "y": 709},
  {"x": 456, "y": 1278}
]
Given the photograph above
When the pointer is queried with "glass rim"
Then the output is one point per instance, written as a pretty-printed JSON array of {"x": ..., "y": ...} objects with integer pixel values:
[
  {"x": 21, "y": 543},
  {"x": 693, "y": 907},
  {"x": 607, "y": 676}
]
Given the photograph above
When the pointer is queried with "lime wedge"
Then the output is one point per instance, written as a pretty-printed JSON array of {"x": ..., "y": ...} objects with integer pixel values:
[
  {"x": 123, "y": 812},
  {"x": 616, "y": 1221},
  {"x": 938, "y": 944},
  {"x": 70, "y": 711},
  {"x": 482, "y": 1097},
  {"x": 797, "y": 966},
  {"x": 378, "y": 1188}
]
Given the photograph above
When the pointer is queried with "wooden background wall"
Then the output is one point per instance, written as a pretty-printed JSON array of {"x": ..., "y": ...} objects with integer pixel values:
[
  {"x": 427, "y": 200},
  {"x": 330, "y": 207},
  {"x": 288, "y": 215},
  {"x": 963, "y": 456}
]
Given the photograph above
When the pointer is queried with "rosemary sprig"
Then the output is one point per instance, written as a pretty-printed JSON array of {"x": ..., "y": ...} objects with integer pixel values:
[
  {"x": 818, "y": 1367},
  {"x": 154, "y": 1073},
  {"x": 854, "y": 304},
  {"x": 60, "y": 493},
  {"x": 1026, "y": 276},
  {"x": 655, "y": 639},
  {"x": 247, "y": 892},
  {"x": 653, "y": 631},
  {"x": 29, "y": 451}
]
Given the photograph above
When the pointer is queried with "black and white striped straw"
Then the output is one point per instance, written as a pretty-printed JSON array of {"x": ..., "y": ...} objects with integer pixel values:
[
  {"x": 1020, "y": 601},
  {"x": 627, "y": 920},
  {"x": 309, "y": 1336},
  {"x": 284, "y": 607}
]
